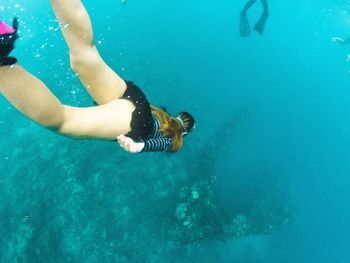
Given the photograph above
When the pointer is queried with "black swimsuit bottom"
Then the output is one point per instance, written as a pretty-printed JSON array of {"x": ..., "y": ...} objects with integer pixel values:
[{"x": 141, "y": 121}]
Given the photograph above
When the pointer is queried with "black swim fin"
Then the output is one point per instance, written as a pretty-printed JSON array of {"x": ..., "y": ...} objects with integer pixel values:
[
  {"x": 7, "y": 44},
  {"x": 244, "y": 27},
  {"x": 260, "y": 25}
]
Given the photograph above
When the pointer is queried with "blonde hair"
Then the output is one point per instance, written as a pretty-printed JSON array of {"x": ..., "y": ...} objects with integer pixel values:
[{"x": 170, "y": 127}]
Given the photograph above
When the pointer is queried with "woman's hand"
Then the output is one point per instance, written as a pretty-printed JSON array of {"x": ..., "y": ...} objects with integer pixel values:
[{"x": 129, "y": 145}]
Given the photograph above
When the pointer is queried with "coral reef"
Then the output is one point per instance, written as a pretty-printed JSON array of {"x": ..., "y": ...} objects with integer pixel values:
[{"x": 75, "y": 201}]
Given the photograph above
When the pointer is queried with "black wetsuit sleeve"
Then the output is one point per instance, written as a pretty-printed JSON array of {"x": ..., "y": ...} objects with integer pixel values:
[{"x": 157, "y": 145}]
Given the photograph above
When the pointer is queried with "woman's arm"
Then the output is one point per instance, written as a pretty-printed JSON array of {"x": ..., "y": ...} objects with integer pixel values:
[
  {"x": 157, "y": 145},
  {"x": 151, "y": 145}
]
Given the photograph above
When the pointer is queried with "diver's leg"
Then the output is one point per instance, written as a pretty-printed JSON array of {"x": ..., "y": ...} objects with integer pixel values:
[
  {"x": 31, "y": 97},
  {"x": 260, "y": 25},
  {"x": 244, "y": 27},
  {"x": 248, "y": 5},
  {"x": 100, "y": 81},
  {"x": 265, "y": 5}
]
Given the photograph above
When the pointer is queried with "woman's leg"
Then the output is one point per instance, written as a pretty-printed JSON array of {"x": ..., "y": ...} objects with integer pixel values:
[
  {"x": 31, "y": 97},
  {"x": 100, "y": 81}
]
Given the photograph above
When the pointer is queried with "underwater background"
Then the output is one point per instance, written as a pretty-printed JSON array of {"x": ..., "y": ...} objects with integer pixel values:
[{"x": 263, "y": 178}]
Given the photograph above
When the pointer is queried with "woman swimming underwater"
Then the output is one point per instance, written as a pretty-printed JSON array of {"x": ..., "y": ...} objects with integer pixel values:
[{"x": 123, "y": 112}]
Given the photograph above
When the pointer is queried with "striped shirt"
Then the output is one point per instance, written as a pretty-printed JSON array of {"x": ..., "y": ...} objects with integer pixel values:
[{"x": 157, "y": 142}]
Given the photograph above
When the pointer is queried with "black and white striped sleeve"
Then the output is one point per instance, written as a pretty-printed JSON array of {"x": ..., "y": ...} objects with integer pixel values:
[{"x": 157, "y": 145}]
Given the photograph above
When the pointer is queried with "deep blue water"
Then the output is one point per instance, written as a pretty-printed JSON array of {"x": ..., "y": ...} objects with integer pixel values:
[{"x": 271, "y": 108}]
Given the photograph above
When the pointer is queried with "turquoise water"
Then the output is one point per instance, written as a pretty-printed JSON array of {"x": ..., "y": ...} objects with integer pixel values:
[{"x": 264, "y": 177}]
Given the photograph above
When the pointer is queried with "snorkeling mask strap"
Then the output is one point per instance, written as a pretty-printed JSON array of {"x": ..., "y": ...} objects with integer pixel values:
[{"x": 182, "y": 124}]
